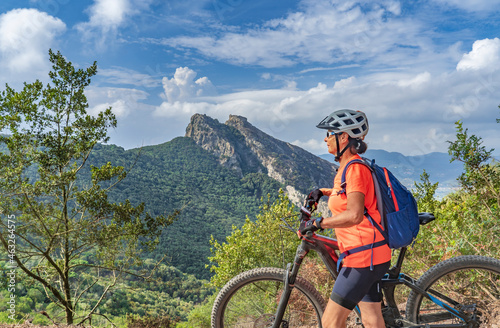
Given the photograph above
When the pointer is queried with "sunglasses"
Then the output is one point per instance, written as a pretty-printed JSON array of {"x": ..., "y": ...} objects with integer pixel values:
[{"x": 331, "y": 133}]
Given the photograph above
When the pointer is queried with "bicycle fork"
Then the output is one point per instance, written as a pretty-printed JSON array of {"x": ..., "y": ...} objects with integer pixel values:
[{"x": 289, "y": 284}]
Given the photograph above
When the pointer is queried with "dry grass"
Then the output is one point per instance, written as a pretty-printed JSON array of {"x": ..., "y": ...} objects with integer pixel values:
[{"x": 30, "y": 325}]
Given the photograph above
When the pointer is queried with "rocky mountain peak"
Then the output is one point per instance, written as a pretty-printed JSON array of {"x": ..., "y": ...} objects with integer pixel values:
[
  {"x": 237, "y": 120},
  {"x": 225, "y": 142},
  {"x": 244, "y": 148}
]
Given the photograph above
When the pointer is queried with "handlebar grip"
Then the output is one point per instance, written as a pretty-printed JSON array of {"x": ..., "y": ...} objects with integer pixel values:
[{"x": 305, "y": 210}]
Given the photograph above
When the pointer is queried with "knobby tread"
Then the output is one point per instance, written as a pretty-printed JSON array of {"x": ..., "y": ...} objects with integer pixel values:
[{"x": 261, "y": 274}]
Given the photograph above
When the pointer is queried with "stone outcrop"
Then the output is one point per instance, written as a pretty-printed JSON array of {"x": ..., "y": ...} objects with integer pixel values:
[{"x": 243, "y": 148}]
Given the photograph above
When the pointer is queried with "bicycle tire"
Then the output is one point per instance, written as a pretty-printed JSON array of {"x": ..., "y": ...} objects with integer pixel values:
[
  {"x": 250, "y": 300},
  {"x": 469, "y": 279}
]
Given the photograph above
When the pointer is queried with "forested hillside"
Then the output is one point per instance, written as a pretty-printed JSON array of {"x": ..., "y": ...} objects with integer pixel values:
[
  {"x": 216, "y": 176},
  {"x": 181, "y": 175},
  {"x": 239, "y": 145}
]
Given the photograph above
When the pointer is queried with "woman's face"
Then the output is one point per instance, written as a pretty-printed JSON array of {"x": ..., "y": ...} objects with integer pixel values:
[{"x": 332, "y": 144}]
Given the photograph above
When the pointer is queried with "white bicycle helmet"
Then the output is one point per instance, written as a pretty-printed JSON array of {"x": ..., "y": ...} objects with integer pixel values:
[{"x": 353, "y": 122}]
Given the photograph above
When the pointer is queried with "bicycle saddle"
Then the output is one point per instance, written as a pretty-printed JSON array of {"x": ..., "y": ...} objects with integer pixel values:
[{"x": 426, "y": 217}]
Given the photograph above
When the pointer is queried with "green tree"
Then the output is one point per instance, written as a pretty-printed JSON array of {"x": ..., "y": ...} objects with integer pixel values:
[
  {"x": 424, "y": 193},
  {"x": 69, "y": 236},
  {"x": 467, "y": 219},
  {"x": 256, "y": 244},
  {"x": 478, "y": 202},
  {"x": 199, "y": 317},
  {"x": 481, "y": 176}
]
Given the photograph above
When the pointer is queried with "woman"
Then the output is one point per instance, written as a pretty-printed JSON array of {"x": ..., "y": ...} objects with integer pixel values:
[{"x": 358, "y": 280}]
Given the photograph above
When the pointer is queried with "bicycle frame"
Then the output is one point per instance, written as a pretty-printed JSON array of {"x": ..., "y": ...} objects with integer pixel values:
[{"x": 327, "y": 248}]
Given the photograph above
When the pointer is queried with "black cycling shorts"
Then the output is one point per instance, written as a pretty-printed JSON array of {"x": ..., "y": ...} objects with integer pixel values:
[{"x": 358, "y": 284}]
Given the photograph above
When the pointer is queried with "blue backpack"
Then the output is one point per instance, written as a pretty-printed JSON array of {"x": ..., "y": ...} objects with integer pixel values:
[{"x": 397, "y": 207}]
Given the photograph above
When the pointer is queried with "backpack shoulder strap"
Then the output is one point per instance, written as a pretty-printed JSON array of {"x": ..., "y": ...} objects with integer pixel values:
[
  {"x": 378, "y": 194},
  {"x": 344, "y": 173}
]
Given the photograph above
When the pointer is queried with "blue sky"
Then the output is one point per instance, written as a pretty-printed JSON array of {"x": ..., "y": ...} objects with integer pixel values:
[{"x": 415, "y": 67}]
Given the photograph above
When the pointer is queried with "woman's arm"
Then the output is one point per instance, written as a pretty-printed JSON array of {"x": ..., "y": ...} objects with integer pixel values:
[
  {"x": 353, "y": 214},
  {"x": 326, "y": 191}
]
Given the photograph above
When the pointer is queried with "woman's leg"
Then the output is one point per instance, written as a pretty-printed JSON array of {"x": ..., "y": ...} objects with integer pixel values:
[
  {"x": 371, "y": 314},
  {"x": 335, "y": 316},
  {"x": 352, "y": 286}
]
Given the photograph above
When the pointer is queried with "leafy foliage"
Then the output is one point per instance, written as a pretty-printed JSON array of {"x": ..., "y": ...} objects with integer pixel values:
[
  {"x": 468, "y": 219},
  {"x": 150, "y": 322},
  {"x": 181, "y": 175},
  {"x": 56, "y": 219},
  {"x": 424, "y": 193},
  {"x": 480, "y": 177},
  {"x": 168, "y": 293},
  {"x": 256, "y": 244}
]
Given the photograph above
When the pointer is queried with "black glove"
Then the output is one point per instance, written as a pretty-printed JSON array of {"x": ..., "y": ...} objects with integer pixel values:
[
  {"x": 311, "y": 225},
  {"x": 305, "y": 214},
  {"x": 313, "y": 199}
]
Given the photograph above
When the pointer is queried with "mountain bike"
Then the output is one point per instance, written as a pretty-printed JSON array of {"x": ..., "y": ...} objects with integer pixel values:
[{"x": 457, "y": 292}]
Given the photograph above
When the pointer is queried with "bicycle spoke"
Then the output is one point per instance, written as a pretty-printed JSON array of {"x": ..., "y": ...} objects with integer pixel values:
[
  {"x": 470, "y": 285},
  {"x": 253, "y": 302}
]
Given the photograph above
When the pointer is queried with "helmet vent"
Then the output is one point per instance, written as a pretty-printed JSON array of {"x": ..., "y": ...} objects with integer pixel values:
[{"x": 354, "y": 123}]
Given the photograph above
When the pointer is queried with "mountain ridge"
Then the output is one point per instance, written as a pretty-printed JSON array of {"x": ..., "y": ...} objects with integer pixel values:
[{"x": 244, "y": 148}]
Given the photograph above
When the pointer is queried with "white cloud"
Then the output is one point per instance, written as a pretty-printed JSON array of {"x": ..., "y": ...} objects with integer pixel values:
[
  {"x": 183, "y": 85},
  {"x": 121, "y": 75},
  {"x": 412, "y": 114},
  {"x": 414, "y": 82},
  {"x": 313, "y": 145},
  {"x": 119, "y": 107},
  {"x": 25, "y": 38},
  {"x": 122, "y": 100},
  {"x": 472, "y": 5},
  {"x": 344, "y": 83},
  {"x": 179, "y": 109},
  {"x": 323, "y": 32},
  {"x": 107, "y": 16},
  {"x": 485, "y": 54}
]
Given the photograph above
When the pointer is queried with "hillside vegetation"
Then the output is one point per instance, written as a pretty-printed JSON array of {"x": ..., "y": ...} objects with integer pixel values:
[{"x": 181, "y": 175}]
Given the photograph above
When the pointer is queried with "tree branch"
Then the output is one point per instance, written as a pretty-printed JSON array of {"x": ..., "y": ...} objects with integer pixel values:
[{"x": 54, "y": 291}]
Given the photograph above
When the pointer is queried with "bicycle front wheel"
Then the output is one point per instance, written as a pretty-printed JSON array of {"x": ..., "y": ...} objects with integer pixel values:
[
  {"x": 251, "y": 298},
  {"x": 466, "y": 283}
]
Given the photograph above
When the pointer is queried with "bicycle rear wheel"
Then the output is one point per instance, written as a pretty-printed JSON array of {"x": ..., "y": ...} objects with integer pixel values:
[
  {"x": 472, "y": 282},
  {"x": 250, "y": 300}
]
